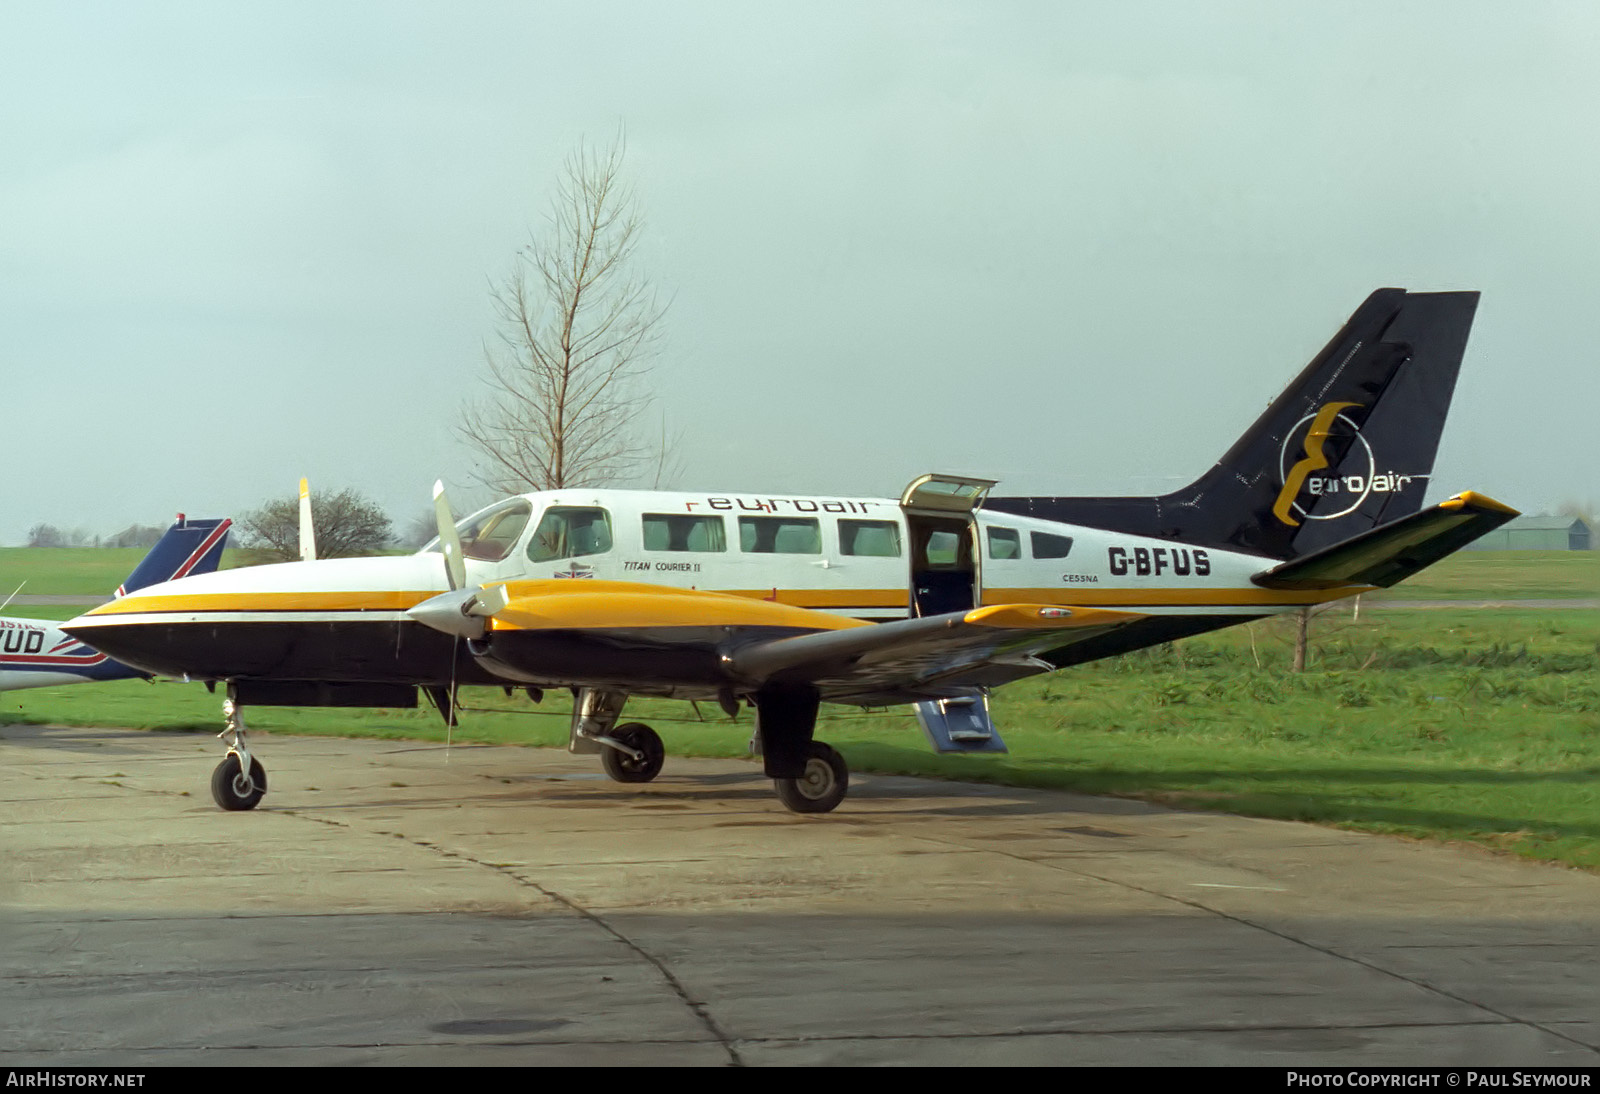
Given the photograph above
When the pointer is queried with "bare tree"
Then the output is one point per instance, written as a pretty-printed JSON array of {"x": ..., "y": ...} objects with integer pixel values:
[
  {"x": 578, "y": 329},
  {"x": 418, "y": 530},
  {"x": 347, "y": 524}
]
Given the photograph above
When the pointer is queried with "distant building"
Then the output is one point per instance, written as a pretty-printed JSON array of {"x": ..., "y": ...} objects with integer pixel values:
[{"x": 1538, "y": 534}]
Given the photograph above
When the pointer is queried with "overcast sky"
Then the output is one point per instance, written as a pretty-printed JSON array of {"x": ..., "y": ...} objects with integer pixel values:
[{"x": 1075, "y": 247}]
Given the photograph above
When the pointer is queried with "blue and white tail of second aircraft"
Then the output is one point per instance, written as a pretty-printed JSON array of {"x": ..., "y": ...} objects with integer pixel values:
[{"x": 35, "y": 654}]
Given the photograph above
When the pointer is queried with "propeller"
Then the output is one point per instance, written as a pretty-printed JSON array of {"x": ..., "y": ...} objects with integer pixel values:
[
  {"x": 308, "y": 532},
  {"x": 462, "y": 612},
  {"x": 455, "y": 564}
]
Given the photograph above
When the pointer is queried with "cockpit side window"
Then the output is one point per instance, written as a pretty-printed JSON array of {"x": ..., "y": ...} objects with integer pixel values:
[
  {"x": 491, "y": 535},
  {"x": 570, "y": 531}
]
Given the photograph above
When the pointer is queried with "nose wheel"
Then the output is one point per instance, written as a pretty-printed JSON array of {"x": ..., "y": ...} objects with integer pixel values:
[
  {"x": 234, "y": 788},
  {"x": 239, "y": 781}
]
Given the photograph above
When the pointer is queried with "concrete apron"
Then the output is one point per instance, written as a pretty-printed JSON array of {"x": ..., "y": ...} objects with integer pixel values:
[{"x": 390, "y": 903}]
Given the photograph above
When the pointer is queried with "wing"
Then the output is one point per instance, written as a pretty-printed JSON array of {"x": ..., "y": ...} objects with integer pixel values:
[
  {"x": 914, "y": 659},
  {"x": 655, "y": 639}
]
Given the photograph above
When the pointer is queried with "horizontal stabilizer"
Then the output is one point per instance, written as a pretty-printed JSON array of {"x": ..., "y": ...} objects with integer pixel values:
[{"x": 1393, "y": 552}]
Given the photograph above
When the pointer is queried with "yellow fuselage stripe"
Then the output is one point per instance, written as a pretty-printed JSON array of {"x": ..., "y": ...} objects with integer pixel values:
[
  {"x": 398, "y": 600},
  {"x": 387, "y": 601}
]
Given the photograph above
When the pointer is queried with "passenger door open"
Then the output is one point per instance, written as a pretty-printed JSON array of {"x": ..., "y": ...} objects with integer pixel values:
[{"x": 945, "y": 575}]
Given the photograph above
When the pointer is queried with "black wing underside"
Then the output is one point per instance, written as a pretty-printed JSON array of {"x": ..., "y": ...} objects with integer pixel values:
[{"x": 937, "y": 657}]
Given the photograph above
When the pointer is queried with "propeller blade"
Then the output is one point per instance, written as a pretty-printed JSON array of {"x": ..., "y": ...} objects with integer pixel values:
[
  {"x": 308, "y": 533},
  {"x": 455, "y": 564}
]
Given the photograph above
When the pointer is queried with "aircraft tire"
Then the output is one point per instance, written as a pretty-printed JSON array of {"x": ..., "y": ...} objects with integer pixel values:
[
  {"x": 624, "y": 768},
  {"x": 822, "y": 787},
  {"x": 232, "y": 790}
]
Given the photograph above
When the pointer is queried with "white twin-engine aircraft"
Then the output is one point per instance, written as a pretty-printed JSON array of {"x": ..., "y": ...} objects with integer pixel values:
[{"x": 786, "y": 602}]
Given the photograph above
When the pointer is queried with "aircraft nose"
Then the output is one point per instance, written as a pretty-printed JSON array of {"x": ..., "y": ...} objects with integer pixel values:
[{"x": 130, "y": 642}]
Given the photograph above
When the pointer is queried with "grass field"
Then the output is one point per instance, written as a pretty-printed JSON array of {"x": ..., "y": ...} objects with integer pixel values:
[
  {"x": 1470, "y": 724},
  {"x": 1504, "y": 575},
  {"x": 1468, "y": 575},
  {"x": 66, "y": 571},
  {"x": 79, "y": 571}
]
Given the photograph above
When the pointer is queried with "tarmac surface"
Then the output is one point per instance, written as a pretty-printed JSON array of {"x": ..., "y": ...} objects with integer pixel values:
[{"x": 392, "y": 904}]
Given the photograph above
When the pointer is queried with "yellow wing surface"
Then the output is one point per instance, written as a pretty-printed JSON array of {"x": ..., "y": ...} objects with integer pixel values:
[{"x": 757, "y": 641}]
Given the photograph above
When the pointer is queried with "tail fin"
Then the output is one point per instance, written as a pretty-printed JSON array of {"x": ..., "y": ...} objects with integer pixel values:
[
  {"x": 1347, "y": 447},
  {"x": 188, "y": 547}
]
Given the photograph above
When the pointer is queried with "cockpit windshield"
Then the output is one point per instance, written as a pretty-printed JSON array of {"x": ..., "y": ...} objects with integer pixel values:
[{"x": 491, "y": 534}]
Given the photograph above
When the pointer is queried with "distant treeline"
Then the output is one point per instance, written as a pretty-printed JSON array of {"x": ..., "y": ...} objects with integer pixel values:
[
  {"x": 135, "y": 535},
  {"x": 347, "y": 525}
]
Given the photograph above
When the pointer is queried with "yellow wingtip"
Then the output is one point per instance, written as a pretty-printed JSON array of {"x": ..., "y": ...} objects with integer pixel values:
[
  {"x": 1045, "y": 616},
  {"x": 1474, "y": 500}
]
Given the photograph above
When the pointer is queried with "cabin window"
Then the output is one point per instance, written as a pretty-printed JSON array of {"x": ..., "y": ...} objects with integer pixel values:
[
  {"x": 944, "y": 549},
  {"x": 1004, "y": 543},
  {"x": 780, "y": 536},
  {"x": 1046, "y": 545},
  {"x": 683, "y": 532},
  {"x": 869, "y": 538},
  {"x": 492, "y": 535},
  {"x": 568, "y": 531}
]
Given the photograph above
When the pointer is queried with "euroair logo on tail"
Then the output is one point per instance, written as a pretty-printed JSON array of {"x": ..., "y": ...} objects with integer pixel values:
[{"x": 1314, "y": 477}]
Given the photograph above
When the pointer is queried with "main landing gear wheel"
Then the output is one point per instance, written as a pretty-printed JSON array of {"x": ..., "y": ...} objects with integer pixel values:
[
  {"x": 823, "y": 785},
  {"x": 641, "y": 738},
  {"x": 233, "y": 789}
]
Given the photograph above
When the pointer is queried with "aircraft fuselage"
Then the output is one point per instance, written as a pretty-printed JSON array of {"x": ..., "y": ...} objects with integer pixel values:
[{"x": 344, "y": 620}]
